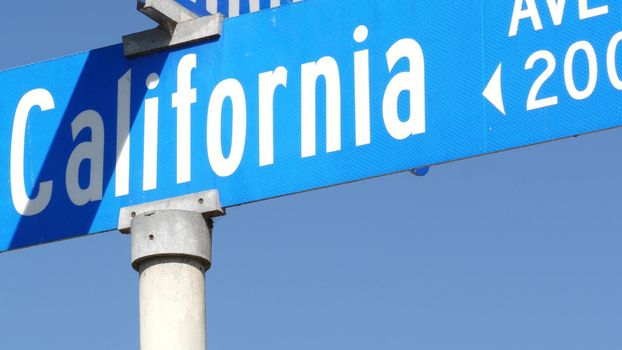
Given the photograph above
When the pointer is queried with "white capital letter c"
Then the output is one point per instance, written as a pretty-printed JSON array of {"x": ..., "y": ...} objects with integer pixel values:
[{"x": 25, "y": 205}]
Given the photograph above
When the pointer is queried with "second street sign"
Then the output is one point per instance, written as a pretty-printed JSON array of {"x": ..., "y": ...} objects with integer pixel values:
[
  {"x": 302, "y": 97},
  {"x": 231, "y": 8}
]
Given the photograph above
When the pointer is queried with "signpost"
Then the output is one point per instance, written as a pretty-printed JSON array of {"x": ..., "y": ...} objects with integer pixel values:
[{"x": 291, "y": 99}]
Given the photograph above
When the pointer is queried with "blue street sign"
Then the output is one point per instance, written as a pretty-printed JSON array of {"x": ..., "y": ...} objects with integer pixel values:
[{"x": 310, "y": 95}]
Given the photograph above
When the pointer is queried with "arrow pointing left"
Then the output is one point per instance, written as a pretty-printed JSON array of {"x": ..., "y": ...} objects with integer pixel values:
[{"x": 493, "y": 92}]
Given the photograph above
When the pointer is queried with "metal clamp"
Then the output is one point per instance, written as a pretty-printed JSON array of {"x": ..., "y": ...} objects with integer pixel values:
[
  {"x": 177, "y": 26},
  {"x": 206, "y": 203}
]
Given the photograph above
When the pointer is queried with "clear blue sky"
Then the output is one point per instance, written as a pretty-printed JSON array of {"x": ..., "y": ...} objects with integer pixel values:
[{"x": 519, "y": 250}]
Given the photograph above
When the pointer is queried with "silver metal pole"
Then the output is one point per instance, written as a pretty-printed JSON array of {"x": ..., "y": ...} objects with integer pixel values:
[{"x": 171, "y": 250}]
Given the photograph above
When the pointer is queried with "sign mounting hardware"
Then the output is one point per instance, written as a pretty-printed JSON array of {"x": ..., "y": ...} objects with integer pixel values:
[
  {"x": 206, "y": 203},
  {"x": 177, "y": 26}
]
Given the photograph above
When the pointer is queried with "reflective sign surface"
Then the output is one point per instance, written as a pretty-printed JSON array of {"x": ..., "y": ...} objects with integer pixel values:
[{"x": 297, "y": 98}]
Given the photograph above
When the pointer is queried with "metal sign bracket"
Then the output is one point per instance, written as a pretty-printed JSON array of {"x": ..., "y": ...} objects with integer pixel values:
[
  {"x": 177, "y": 26},
  {"x": 206, "y": 203}
]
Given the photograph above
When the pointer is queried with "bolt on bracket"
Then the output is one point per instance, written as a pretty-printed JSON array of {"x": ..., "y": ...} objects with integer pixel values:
[{"x": 177, "y": 26}]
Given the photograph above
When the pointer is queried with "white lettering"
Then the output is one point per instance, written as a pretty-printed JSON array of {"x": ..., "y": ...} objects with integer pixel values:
[
  {"x": 89, "y": 150},
  {"x": 234, "y": 8},
  {"x": 183, "y": 100},
  {"x": 254, "y": 5},
  {"x": 150, "y": 150},
  {"x": 212, "y": 6},
  {"x": 556, "y": 8},
  {"x": 361, "y": 89},
  {"x": 592, "y": 70},
  {"x": 122, "y": 169},
  {"x": 21, "y": 201},
  {"x": 586, "y": 12},
  {"x": 328, "y": 68},
  {"x": 225, "y": 166},
  {"x": 530, "y": 12},
  {"x": 268, "y": 82},
  {"x": 533, "y": 102},
  {"x": 612, "y": 68},
  {"x": 412, "y": 81}
]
